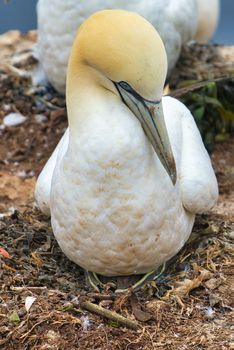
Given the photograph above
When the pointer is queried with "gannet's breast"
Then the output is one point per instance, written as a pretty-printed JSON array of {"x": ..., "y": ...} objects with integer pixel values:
[
  {"x": 58, "y": 20},
  {"x": 114, "y": 209},
  {"x": 208, "y": 15}
]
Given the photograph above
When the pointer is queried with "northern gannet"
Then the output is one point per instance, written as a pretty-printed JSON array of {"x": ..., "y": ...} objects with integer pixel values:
[
  {"x": 208, "y": 11},
  {"x": 58, "y": 20},
  {"x": 132, "y": 171}
]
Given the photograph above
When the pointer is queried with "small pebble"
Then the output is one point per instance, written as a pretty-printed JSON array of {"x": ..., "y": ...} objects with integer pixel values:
[
  {"x": 14, "y": 119},
  {"x": 209, "y": 312},
  {"x": 21, "y": 173},
  {"x": 40, "y": 118}
]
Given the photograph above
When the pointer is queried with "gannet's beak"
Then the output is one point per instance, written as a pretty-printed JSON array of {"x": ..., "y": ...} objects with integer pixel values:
[{"x": 150, "y": 114}]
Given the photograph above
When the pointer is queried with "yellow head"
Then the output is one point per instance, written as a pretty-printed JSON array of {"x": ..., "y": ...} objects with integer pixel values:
[
  {"x": 122, "y": 46},
  {"x": 121, "y": 52}
]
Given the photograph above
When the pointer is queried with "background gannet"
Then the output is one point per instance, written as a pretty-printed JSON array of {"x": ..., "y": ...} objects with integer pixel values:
[
  {"x": 58, "y": 20},
  {"x": 116, "y": 206},
  {"x": 208, "y": 11}
]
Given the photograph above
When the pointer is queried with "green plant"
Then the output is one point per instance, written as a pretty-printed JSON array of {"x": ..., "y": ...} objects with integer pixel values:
[{"x": 213, "y": 109}]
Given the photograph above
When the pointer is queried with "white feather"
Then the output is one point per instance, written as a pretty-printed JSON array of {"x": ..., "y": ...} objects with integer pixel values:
[
  {"x": 58, "y": 21},
  {"x": 113, "y": 207},
  {"x": 208, "y": 16}
]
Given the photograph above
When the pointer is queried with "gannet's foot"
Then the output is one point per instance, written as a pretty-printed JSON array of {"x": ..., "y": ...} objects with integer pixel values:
[
  {"x": 94, "y": 281},
  {"x": 124, "y": 283},
  {"x": 150, "y": 276}
]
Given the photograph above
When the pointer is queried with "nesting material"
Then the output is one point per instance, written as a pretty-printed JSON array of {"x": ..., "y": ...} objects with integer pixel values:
[{"x": 32, "y": 265}]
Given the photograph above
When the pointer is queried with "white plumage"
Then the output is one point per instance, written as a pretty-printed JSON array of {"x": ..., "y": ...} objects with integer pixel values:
[
  {"x": 207, "y": 20},
  {"x": 151, "y": 215},
  {"x": 58, "y": 21},
  {"x": 114, "y": 209}
]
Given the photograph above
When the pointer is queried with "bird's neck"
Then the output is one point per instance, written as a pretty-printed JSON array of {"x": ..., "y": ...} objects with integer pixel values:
[{"x": 85, "y": 94}]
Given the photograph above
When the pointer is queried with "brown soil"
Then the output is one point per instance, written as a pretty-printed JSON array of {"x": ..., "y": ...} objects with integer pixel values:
[{"x": 188, "y": 307}]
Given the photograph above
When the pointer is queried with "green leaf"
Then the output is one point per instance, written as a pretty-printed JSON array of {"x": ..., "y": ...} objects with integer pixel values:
[
  {"x": 199, "y": 113},
  {"x": 114, "y": 324},
  {"x": 213, "y": 109},
  {"x": 212, "y": 89},
  {"x": 14, "y": 318},
  {"x": 226, "y": 114},
  {"x": 221, "y": 137},
  {"x": 213, "y": 101}
]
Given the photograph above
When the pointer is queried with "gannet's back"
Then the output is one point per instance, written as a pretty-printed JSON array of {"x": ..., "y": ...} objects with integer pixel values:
[{"x": 59, "y": 20}]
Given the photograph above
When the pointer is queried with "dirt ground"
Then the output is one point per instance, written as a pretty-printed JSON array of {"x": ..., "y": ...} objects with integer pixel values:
[{"x": 42, "y": 293}]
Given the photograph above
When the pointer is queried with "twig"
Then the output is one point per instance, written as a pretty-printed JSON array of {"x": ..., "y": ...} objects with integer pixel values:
[
  {"x": 15, "y": 72},
  {"x": 24, "y": 288},
  {"x": 36, "y": 289},
  {"x": 111, "y": 315},
  {"x": 183, "y": 91},
  {"x": 9, "y": 268},
  {"x": 99, "y": 296},
  {"x": 30, "y": 330}
]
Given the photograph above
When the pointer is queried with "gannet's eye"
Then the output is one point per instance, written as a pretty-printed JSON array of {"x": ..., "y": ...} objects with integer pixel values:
[{"x": 126, "y": 86}]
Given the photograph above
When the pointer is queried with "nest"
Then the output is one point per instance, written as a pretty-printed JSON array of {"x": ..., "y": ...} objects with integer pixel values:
[{"x": 45, "y": 300}]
